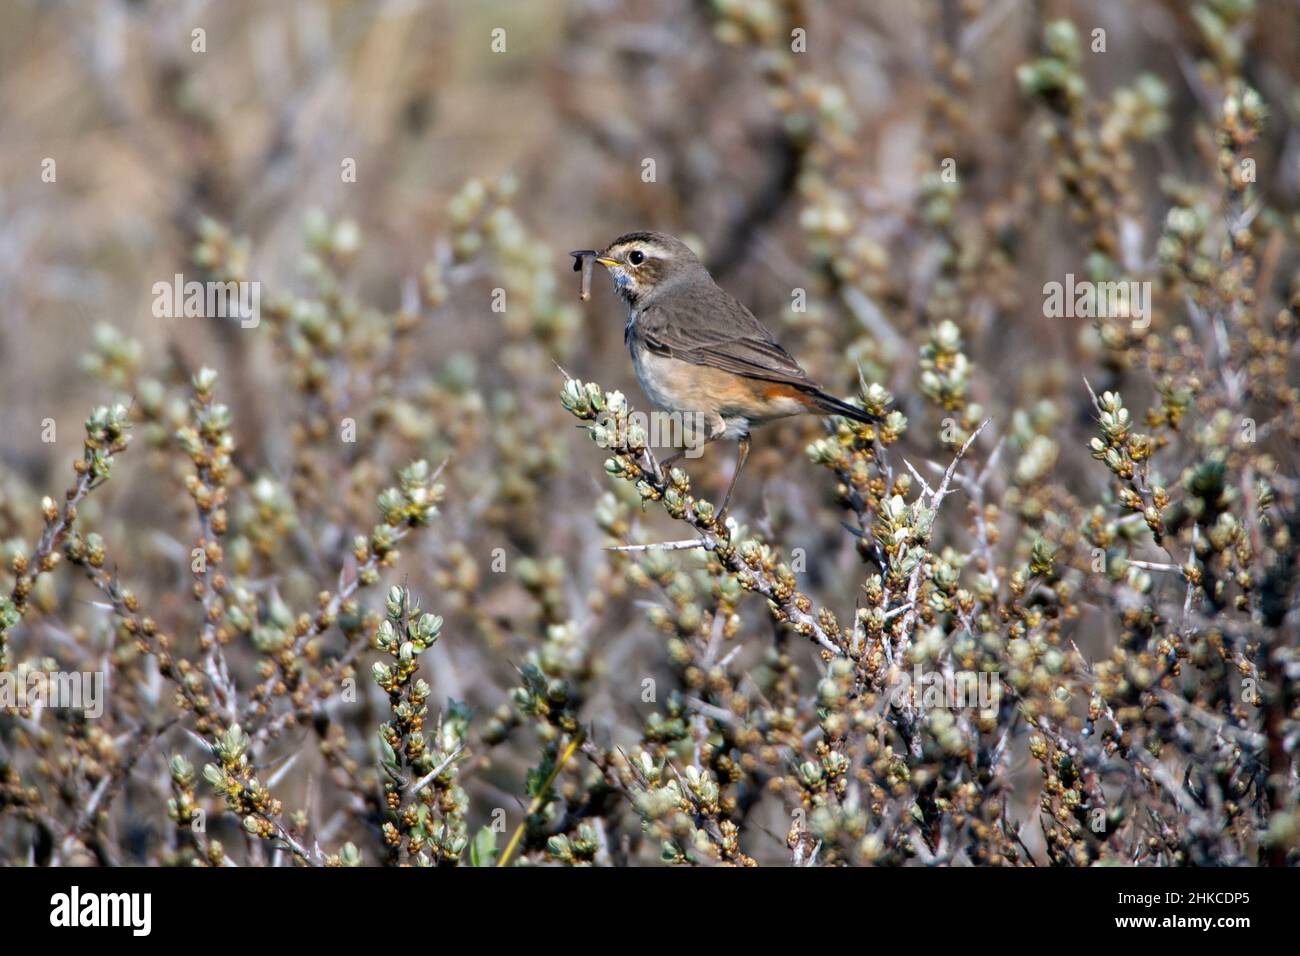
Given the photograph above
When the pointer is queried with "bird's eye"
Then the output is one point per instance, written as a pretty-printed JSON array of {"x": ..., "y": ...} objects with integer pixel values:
[{"x": 636, "y": 257}]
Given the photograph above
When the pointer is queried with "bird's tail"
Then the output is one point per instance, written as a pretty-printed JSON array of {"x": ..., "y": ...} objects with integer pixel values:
[{"x": 831, "y": 405}]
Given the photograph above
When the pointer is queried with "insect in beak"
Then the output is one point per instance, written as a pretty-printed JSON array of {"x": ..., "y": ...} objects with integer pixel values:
[{"x": 582, "y": 260}]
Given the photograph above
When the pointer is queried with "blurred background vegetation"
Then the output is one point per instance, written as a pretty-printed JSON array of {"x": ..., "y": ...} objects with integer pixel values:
[{"x": 478, "y": 169}]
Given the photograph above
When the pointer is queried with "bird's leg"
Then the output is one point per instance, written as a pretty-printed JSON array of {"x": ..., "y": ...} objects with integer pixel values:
[
  {"x": 668, "y": 462},
  {"x": 718, "y": 429},
  {"x": 742, "y": 453}
]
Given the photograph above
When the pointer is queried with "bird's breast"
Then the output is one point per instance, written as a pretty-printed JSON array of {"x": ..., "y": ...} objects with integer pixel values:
[
  {"x": 666, "y": 381},
  {"x": 681, "y": 386}
]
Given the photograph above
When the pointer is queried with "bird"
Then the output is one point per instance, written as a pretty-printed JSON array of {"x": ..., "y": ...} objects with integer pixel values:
[{"x": 698, "y": 351}]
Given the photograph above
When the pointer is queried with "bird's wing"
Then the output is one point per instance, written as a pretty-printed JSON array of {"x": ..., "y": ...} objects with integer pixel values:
[{"x": 707, "y": 326}]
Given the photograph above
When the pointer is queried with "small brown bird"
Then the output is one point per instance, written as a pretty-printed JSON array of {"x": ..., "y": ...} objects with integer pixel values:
[{"x": 698, "y": 351}]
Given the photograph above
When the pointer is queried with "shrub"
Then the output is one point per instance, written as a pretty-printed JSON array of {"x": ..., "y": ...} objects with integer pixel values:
[{"x": 1042, "y": 611}]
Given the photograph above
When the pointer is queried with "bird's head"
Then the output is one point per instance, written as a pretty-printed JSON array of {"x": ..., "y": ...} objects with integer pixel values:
[{"x": 645, "y": 264}]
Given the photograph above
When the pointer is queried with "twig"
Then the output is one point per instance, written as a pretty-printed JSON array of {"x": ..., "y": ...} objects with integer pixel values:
[
  {"x": 683, "y": 545},
  {"x": 429, "y": 777},
  {"x": 540, "y": 799}
]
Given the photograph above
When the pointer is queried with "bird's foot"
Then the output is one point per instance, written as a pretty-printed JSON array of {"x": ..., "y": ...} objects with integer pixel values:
[{"x": 666, "y": 466}]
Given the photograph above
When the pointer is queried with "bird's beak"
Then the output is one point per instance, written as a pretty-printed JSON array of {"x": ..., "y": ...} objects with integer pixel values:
[{"x": 580, "y": 254}]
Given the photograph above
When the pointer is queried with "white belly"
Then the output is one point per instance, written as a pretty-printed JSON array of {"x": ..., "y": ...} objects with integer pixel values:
[{"x": 660, "y": 379}]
